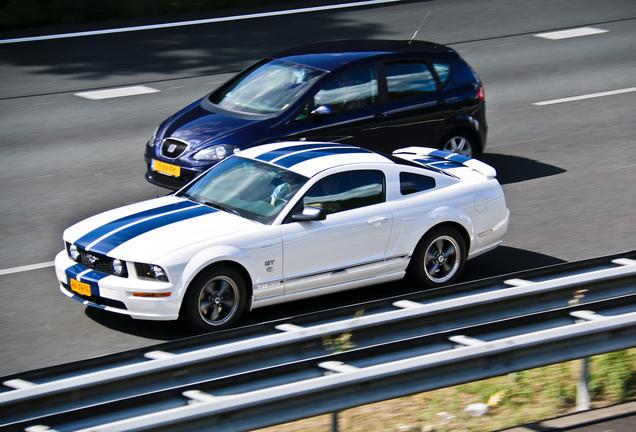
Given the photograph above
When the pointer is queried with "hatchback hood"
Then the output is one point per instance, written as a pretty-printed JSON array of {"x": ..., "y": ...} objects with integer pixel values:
[
  {"x": 145, "y": 231},
  {"x": 197, "y": 125}
]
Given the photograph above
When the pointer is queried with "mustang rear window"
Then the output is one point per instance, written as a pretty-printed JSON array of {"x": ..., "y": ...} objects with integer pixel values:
[{"x": 412, "y": 183}]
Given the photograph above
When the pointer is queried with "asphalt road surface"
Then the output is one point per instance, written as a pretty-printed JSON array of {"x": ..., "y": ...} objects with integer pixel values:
[{"x": 568, "y": 166}]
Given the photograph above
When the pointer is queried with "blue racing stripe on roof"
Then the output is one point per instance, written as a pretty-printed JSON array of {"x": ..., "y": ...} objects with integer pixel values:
[
  {"x": 97, "y": 233},
  {"x": 283, "y": 151},
  {"x": 296, "y": 158}
]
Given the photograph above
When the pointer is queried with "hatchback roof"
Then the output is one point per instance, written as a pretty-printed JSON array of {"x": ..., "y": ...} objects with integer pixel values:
[{"x": 331, "y": 55}]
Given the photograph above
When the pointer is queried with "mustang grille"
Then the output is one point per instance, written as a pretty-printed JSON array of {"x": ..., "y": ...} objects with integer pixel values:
[{"x": 97, "y": 262}]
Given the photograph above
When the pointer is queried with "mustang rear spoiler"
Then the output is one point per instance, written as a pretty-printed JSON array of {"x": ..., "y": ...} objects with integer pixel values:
[{"x": 440, "y": 160}]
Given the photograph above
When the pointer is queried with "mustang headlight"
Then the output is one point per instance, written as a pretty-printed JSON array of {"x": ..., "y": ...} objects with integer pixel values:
[
  {"x": 215, "y": 153},
  {"x": 73, "y": 252},
  {"x": 151, "y": 271}
]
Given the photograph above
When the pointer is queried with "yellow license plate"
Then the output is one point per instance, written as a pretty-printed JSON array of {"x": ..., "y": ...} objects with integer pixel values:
[
  {"x": 81, "y": 287},
  {"x": 165, "y": 168}
]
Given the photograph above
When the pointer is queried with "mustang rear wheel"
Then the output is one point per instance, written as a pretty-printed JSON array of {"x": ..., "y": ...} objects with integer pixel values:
[
  {"x": 439, "y": 258},
  {"x": 215, "y": 300}
]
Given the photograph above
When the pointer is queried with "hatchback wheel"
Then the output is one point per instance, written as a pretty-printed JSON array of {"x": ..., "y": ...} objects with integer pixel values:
[
  {"x": 460, "y": 142},
  {"x": 439, "y": 258},
  {"x": 215, "y": 300}
]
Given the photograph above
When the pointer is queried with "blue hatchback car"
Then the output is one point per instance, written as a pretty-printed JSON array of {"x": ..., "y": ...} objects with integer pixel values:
[{"x": 377, "y": 94}]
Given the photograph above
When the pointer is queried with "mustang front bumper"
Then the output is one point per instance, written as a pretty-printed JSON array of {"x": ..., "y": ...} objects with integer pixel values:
[{"x": 129, "y": 296}]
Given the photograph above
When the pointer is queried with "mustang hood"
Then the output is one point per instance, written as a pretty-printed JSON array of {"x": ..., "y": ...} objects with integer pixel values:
[
  {"x": 145, "y": 231},
  {"x": 197, "y": 125}
]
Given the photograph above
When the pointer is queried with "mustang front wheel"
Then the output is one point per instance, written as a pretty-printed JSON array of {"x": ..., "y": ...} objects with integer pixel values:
[
  {"x": 439, "y": 258},
  {"x": 215, "y": 300}
]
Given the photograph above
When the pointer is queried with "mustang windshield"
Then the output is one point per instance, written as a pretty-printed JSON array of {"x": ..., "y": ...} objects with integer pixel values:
[
  {"x": 266, "y": 88},
  {"x": 252, "y": 189}
]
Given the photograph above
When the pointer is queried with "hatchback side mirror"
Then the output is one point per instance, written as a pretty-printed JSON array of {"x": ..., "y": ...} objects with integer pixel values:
[
  {"x": 310, "y": 213},
  {"x": 323, "y": 110}
]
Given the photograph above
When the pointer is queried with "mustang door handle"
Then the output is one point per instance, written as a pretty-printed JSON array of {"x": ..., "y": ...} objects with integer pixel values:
[{"x": 378, "y": 220}]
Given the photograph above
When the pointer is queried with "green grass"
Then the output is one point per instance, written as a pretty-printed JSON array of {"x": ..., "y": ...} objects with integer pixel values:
[
  {"x": 528, "y": 396},
  {"x": 18, "y": 14}
]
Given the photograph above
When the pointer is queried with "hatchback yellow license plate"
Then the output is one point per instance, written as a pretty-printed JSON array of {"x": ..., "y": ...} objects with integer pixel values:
[
  {"x": 81, "y": 287},
  {"x": 166, "y": 168}
]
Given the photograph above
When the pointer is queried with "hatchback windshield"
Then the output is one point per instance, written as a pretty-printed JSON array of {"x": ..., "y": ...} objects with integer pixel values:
[
  {"x": 268, "y": 87},
  {"x": 246, "y": 187}
]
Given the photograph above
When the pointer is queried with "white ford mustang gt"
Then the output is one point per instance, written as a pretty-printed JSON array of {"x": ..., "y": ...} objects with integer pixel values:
[{"x": 281, "y": 222}]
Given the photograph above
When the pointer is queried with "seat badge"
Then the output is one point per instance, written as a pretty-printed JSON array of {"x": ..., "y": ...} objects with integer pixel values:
[{"x": 172, "y": 148}]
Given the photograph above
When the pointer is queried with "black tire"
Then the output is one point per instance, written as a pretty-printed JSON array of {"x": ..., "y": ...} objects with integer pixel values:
[
  {"x": 461, "y": 142},
  {"x": 215, "y": 300},
  {"x": 439, "y": 258}
]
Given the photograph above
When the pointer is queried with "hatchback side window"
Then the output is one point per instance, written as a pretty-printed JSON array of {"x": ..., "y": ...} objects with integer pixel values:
[
  {"x": 405, "y": 79},
  {"x": 347, "y": 191},
  {"x": 354, "y": 89},
  {"x": 412, "y": 183}
]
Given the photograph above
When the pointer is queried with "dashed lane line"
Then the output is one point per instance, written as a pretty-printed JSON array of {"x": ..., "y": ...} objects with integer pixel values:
[
  {"x": 26, "y": 268},
  {"x": 587, "y": 96},
  {"x": 116, "y": 92},
  {"x": 570, "y": 33}
]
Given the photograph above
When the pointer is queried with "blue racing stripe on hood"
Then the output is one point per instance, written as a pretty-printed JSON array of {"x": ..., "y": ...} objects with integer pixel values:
[
  {"x": 116, "y": 233},
  {"x": 97, "y": 233},
  {"x": 296, "y": 158}
]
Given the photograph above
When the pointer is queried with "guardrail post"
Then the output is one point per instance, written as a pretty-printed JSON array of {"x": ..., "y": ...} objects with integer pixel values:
[
  {"x": 582, "y": 390},
  {"x": 334, "y": 421}
]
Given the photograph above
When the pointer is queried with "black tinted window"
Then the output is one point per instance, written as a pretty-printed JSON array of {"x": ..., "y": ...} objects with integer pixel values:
[
  {"x": 347, "y": 191},
  {"x": 355, "y": 89},
  {"x": 412, "y": 183},
  {"x": 406, "y": 79},
  {"x": 443, "y": 71}
]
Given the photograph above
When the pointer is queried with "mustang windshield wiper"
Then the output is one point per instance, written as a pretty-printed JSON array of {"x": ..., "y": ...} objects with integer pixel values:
[
  {"x": 220, "y": 207},
  {"x": 211, "y": 204}
]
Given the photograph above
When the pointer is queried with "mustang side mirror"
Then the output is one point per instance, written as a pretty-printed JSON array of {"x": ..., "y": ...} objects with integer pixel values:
[
  {"x": 310, "y": 213},
  {"x": 323, "y": 110}
]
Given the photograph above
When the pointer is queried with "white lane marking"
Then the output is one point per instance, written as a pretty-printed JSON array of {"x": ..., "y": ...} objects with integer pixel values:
[
  {"x": 116, "y": 92},
  {"x": 196, "y": 22},
  {"x": 587, "y": 96},
  {"x": 26, "y": 268},
  {"x": 576, "y": 32}
]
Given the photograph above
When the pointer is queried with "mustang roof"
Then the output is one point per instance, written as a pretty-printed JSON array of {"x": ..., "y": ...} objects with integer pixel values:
[
  {"x": 309, "y": 158},
  {"x": 331, "y": 55}
]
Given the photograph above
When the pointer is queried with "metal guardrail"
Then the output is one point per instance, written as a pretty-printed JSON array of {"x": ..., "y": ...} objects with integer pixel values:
[{"x": 398, "y": 348}]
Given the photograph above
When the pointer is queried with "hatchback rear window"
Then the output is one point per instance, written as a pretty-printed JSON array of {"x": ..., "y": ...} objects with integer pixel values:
[
  {"x": 443, "y": 71},
  {"x": 405, "y": 79}
]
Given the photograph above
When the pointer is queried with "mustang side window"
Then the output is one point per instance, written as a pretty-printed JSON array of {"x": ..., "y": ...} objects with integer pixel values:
[
  {"x": 413, "y": 183},
  {"x": 347, "y": 191},
  {"x": 405, "y": 79},
  {"x": 354, "y": 89}
]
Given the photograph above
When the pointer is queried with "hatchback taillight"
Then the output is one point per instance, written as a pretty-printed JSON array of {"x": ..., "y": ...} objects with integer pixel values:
[{"x": 481, "y": 95}]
